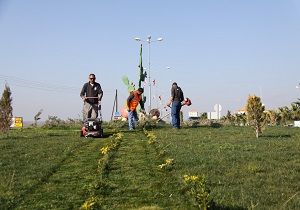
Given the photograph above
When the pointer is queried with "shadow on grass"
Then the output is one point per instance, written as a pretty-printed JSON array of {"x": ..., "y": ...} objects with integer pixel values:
[
  {"x": 106, "y": 135},
  {"x": 278, "y": 136},
  {"x": 214, "y": 125},
  {"x": 216, "y": 207}
]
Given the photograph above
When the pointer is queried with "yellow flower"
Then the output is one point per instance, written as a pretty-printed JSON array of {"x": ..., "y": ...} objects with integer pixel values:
[
  {"x": 118, "y": 136},
  {"x": 104, "y": 150},
  {"x": 88, "y": 203},
  {"x": 186, "y": 178},
  {"x": 194, "y": 178},
  {"x": 162, "y": 166},
  {"x": 169, "y": 161}
]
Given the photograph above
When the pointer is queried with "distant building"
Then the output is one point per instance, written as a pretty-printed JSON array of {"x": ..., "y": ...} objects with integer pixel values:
[
  {"x": 242, "y": 111},
  {"x": 194, "y": 114}
]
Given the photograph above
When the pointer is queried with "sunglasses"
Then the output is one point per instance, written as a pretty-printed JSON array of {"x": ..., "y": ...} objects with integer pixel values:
[{"x": 93, "y": 78}]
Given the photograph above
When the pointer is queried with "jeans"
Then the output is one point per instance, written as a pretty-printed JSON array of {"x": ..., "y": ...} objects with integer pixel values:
[
  {"x": 132, "y": 119},
  {"x": 175, "y": 113}
]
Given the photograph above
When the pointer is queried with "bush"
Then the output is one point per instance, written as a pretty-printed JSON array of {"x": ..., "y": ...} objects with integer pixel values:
[
  {"x": 5, "y": 110},
  {"x": 55, "y": 122}
]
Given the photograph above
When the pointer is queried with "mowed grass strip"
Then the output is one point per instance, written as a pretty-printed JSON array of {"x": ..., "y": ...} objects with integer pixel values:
[
  {"x": 136, "y": 180},
  {"x": 44, "y": 169},
  {"x": 242, "y": 171}
]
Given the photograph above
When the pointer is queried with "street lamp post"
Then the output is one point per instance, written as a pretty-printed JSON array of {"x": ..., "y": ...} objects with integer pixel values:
[
  {"x": 149, "y": 41},
  {"x": 298, "y": 86}
]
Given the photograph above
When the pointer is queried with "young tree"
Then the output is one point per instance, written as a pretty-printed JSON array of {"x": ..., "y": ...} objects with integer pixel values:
[
  {"x": 5, "y": 109},
  {"x": 37, "y": 117},
  {"x": 255, "y": 114},
  {"x": 273, "y": 117}
]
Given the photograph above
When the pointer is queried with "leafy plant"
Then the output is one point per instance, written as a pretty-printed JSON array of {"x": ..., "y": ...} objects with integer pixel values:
[
  {"x": 255, "y": 114},
  {"x": 197, "y": 188}
]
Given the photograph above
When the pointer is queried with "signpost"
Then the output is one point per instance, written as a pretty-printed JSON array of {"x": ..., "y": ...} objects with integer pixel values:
[
  {"x": 215, "y": 115},
  {"x": 17, "y": 122}
]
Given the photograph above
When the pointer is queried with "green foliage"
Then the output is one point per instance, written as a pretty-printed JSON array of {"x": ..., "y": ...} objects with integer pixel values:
[
  {"x": 273, "y": 117},
  {"x": 255, "y": 114},
  {"x": 203, "y": 116},
  {"x": 285, "y": 115},
  {"x": 295, "y": 110},
  {"x": 5, "y": 109},
  {"x": 55, "y": 122},
  {"x": 116, "y": 125},
  {"x": 197, "y": 188}
]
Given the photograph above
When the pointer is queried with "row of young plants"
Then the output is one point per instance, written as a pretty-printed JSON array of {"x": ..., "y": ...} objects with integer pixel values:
[
  {"x": 98, "y": 189},
  {"x": 254, "y": 115},
  {"x": 194, "y": 186}
]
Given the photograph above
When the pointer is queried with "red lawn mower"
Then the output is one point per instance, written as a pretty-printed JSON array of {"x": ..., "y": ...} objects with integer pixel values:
[{"x": 93, "y": 127}]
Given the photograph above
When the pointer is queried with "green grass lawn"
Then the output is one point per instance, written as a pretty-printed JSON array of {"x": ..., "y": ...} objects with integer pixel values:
[{"x": 56, "y": 169}]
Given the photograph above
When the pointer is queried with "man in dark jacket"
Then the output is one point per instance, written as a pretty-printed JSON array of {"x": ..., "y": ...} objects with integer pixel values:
[
  {"x": 91, "y": 95},
  {"x": 176, "y": 99}
]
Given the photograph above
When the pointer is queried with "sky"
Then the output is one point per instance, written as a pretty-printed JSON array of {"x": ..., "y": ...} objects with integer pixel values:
[{"x": 218, "y": 51}]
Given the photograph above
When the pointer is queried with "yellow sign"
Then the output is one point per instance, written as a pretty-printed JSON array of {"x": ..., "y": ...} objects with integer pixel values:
[{"x": 17, "y": 122}]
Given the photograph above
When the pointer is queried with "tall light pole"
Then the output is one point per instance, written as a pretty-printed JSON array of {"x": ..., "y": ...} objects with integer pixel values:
[{"x": 149, "y": 41}]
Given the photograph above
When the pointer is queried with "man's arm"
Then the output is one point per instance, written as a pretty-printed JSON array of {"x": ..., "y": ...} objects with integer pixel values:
[
  {"x": 172, "y": 94},
  {"x": 142, "y": 104},
  {"x": 182, "y": 96},
  {"x": 100, "y": 93},
  {"x": 83, "y": 92},
  {"x": 130, "y": 97}
]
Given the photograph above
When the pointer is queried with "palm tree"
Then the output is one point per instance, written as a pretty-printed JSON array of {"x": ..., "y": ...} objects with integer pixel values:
[
  {"x": 297, "y": 102},
  {"x": 285, "y": 114},
  {"x": 272, "y": 117},
  {"x": 295, "y": 110}
]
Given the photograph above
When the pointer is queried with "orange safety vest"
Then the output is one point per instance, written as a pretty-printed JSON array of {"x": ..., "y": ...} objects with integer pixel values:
[{"x": 135, "y": 101}]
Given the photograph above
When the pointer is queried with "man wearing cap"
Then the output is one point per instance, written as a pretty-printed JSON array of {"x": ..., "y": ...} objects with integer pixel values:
[
  {"x": 176, "y": 99},
  {"x": 134, "y": 99},
  {"x": 91, "y": 95}
]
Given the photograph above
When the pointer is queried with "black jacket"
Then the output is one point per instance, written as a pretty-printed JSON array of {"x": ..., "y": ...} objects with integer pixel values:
[
  {"x": 89, "y": 90},
  {"x": 176, "y": 93}
]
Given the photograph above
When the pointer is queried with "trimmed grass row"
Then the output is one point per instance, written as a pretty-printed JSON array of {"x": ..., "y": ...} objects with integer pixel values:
[
  {"x": 136, "y": 180},
  {"x": 43, "y": 169}
]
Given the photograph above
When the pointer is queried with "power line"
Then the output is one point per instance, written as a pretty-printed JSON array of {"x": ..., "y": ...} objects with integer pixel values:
[{"x": 19, "y": 82}]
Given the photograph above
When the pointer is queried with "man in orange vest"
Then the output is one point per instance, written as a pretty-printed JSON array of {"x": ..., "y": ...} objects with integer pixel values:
[{"x": 134, "y": 99}]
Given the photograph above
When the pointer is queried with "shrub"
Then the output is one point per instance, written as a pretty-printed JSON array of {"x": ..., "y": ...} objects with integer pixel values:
[
  {"x": 55, "y": 122},
  {"x": 196, "y": 187},
  {"x": 5, "y": 109}
]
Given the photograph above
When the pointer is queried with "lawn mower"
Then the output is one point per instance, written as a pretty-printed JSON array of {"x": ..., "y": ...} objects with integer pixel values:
[{"x": 93, "y": 127}]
